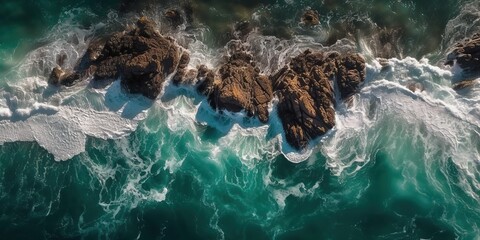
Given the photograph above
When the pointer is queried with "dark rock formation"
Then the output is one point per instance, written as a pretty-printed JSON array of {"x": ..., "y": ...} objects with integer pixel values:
[
  {"x": 306, "y": 97},
  {"x": 141, "y": 57},
  {"x": 466, "y": 54},
  {"x": 351, "y": 73},
  {"x": 181, "y": 74},
  {"x": 174, "y": 17},
  {"x": 242, "y": 29},
  {"x": 238, "y": 86},
  {"x": 310, "y": 18},
  {"x": 304, "y": 88},
  {"x": 58, "y": 76}
]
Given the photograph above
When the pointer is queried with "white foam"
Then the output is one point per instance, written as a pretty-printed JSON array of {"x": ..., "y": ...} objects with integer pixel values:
[
  {"x": 64, "y": 133},
  {"x": 449, "y": 118}
]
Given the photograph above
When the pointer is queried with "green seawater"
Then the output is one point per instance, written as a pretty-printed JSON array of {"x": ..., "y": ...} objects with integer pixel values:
[{"x": 400, "y": 165}]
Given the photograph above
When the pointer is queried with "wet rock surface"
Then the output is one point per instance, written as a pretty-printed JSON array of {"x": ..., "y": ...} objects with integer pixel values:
[
  {"x": 350, "y": 74},
  {"x": 310, "y": 18},
  {"x": 141, "y": 57},
  {"x": 306, "y": 97},
  {"x": 305, "y": 89},
  {"x": 466, "y": 54},
  {"x": 238, "y": 86}
]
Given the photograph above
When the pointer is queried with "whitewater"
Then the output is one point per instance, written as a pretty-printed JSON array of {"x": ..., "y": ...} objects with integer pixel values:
[{"x": 401, "y": 162}]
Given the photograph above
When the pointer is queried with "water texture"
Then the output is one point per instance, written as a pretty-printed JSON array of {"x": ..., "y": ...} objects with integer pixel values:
[{"x": 84, "y": 163}]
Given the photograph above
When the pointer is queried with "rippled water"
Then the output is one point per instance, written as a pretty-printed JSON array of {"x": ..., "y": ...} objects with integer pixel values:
[{"x": 86, "y": 163}]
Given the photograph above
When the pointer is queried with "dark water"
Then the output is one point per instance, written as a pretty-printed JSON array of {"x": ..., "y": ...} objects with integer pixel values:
[{"x": 399, "y": 165}]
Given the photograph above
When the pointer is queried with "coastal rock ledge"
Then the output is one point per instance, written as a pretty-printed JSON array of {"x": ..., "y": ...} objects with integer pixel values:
[
  {"x": 466, "y": 55},
  {"x": 304, "y": 87},
  {"x": 142, "y": 58}
]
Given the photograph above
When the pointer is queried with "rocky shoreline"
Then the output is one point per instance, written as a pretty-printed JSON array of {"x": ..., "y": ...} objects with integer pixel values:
[
  {"x": 306, "y": 87},
  {"x": 143, "y": 59}
]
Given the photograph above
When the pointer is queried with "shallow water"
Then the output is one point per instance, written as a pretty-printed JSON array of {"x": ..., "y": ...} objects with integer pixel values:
[{"x": 87, "y": 163}]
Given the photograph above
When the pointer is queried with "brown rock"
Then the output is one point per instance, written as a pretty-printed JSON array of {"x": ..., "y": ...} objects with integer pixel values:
[
  {"x": 141, "y": 56},
  {"x": 310, "y": 18},
  {"x": 60, "y": 77},
  {"x": 181, "y": 74},
  {"x": 174, "y": 17},
  {"x": 467, "y": 84},
  {"x": 351, "y": 73},
  {"x": 306, "y": 97},
  {"x": 415, "y": 86},
  {"x": 238, "y": 86},
  {"x": 466, "y": 54}
]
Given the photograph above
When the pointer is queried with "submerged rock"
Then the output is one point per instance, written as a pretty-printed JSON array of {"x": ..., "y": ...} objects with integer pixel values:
[
  {"x": 58, "y": 76},
  {"x": 174, "y": 17},
  {"x": 310, "y": 18}
]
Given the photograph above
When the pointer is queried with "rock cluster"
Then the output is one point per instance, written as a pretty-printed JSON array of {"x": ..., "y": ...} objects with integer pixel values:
[
  {"x": 304, "y": 88},
  {"x": 306, "y": 94},
  {"x": 466, "y": 54},
  {"x": 240, "y": 86},
  {"x": 142, "y": 58}
]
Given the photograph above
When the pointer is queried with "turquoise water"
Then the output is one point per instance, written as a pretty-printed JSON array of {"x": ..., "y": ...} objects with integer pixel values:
[{"x": 100, "y": 164}]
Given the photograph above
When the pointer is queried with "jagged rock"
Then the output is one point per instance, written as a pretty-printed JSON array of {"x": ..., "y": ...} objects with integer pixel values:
[
  {"x": 174, "y": 17},
  {"x": 238, "y": 86},
  {"x": 351, "y": 73},
  {"x": 306, "y": 97},
  {"x": 206, "y": 78},
  {"x": 141, "y": 56},
  {"x": 466, "y": 54},
  {"x": 310, "y": 18},
  {"x": 242, "y": 29},
  {"x": 58, "y": 76},
  {"x": 415, "y": 86},
  {"x": 181, "y": 74},
  {"x": 464, "y": 85}
]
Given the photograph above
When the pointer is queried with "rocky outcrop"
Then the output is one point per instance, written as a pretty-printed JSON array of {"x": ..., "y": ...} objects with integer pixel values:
[
  {"x": 351, "y": 73},
  {"x": 58, "y": 76},
  {"x": 304, "y": 89},
  {"x": 141, "y": 57},
  {"x": 310, "y": 18},
  {"x": 238, "y": 86},
  {"x": 306, "y": 97},
  {"x": 466, "y": 54}
]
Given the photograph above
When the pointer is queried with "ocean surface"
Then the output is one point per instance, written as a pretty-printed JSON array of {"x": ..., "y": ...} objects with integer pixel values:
[{"x": 84, "y": 163}]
